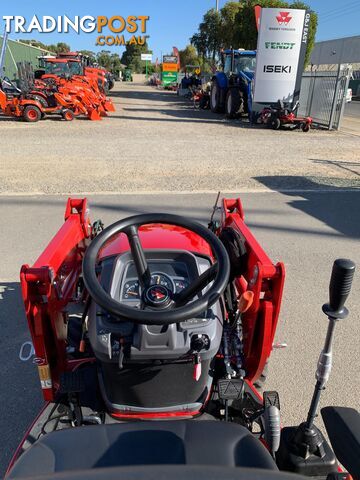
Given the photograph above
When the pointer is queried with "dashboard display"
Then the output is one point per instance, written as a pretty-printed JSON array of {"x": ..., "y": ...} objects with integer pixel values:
[{"x": 175, "y": 279}]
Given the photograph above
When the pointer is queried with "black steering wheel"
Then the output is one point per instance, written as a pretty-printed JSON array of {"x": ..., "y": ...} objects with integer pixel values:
[{"x": 159, "y": 306}]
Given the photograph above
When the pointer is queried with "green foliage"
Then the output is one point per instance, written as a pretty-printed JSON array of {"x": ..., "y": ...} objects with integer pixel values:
[
  {"x": 108, "y": 60},
  {"x": 235, "y": 27},
  {"x": 208, "y": 39},
  {"x": 61, "y": 47},
  {"x": 312, "y": 30},
  {"x": 230, "y": 14},
  {"x": 58, "y": 48},
  {"x": 132, "y": 57},
  {"x": 89, "y": 54},
  {"x": 189, "y": 56}
]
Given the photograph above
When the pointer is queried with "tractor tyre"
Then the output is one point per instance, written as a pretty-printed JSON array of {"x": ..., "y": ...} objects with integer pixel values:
[
  {"x": 274, "y": 123},
  {"x": 233, "y": 102},
  {"x": 31, "y": 114},
  {"x": 305, "y": 127},
  {"x": 215, "y": 98},
  {"x": 68, "y": 115}
]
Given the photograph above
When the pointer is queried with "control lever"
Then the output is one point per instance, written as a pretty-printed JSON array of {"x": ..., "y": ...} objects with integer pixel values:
[
  {"x": 304, "y": 449},
  {"x": 340, "y": 286}
]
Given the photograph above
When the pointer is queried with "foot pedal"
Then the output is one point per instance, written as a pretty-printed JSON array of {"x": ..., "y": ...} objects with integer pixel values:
[
  {"x": 230, "y": 389},
  {"x": 271, "y": 399},
  {"x": 72, "y": 382}
]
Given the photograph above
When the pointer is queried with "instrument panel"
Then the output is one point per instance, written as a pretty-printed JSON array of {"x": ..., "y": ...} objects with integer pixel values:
[{"x": 172, "y": 275}]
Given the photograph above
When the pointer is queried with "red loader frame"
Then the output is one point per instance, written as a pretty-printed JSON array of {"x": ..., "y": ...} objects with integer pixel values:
[{"x": 50, "y": 286}]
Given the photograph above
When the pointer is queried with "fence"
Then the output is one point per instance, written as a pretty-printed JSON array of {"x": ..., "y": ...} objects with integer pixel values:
[{"x": 323, "y": 96}]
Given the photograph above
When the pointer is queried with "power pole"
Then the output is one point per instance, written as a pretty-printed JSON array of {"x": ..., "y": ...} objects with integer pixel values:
[{"x": 217, "y": 5}]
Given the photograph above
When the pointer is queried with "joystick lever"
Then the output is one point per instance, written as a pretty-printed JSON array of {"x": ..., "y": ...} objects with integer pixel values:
[
  {"x": 304, "y": 449},
  {"x": 339, "y": 289}
]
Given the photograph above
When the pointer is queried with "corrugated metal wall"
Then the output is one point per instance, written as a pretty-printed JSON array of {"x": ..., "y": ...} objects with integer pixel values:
[
  {"x": 340, "y": 50},
  {"x": 19, "y": 52}
]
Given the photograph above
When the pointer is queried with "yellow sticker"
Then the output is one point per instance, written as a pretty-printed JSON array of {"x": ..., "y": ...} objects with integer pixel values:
[
  {"x": 45, "y": 376},
  {"x": 197, "y": 71}
]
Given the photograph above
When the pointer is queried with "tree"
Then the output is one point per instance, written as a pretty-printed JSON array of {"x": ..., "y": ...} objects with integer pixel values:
[
  {"x": 103, "y": 58},
  {"x": 58, "y": 48},
  {"x": 62, "y": 47},
  {"x": 312, "y": 30},
  {"x": 208, "y": 40},
  {"x": 189, "y": 56},
  {"x": 132, "y": 57},
  {"x": 90, "y": 54},
  {"x": 229, "y": 23}
]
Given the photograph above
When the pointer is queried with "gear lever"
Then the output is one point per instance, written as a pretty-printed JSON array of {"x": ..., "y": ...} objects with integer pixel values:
[{"x": 304, "y": 449}]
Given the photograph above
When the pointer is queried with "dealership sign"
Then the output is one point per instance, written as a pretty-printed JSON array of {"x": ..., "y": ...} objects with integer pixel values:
[{"x": 280, "y": 55}]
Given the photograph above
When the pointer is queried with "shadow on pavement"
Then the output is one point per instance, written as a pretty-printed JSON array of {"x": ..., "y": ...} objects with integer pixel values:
[
  {"x": 185, "y": 112},
  {"x": 341, "y": 165},
  {"x": 149, "y": 95},
  {"x": 337, "y": 207},
  {"x": 21, "y": 397}
]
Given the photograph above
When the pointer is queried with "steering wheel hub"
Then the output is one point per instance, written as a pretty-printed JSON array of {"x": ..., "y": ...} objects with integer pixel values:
[{"x": 157, "y": 296}]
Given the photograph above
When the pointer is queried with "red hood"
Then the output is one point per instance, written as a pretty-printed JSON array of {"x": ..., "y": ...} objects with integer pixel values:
[{"x": 159, "y": 236}]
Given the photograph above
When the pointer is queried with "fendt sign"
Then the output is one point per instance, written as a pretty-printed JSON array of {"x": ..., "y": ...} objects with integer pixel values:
[{"x": 280, "y": 55}]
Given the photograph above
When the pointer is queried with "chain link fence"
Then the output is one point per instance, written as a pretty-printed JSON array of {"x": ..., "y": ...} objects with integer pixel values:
[{"x": 323, "y": 96}]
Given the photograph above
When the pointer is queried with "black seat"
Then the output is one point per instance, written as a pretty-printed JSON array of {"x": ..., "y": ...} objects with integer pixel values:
[{"x": 184, "y": 442}]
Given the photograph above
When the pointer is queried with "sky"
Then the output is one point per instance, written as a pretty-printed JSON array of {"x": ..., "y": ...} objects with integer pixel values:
[{"x": 171, "y": 23}]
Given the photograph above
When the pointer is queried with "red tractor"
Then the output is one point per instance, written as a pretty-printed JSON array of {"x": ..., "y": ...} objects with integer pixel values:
[{"x": 150, "y": 337}]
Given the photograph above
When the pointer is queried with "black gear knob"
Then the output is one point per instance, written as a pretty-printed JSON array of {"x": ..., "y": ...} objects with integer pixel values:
[{"x": 340, "y": 285}]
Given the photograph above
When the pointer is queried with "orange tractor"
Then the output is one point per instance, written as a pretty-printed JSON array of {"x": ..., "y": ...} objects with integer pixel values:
[
  {"x": 31, "y": 104},
  {"x": 104, "y": 78},
  {"x": 72, "y": 79}
]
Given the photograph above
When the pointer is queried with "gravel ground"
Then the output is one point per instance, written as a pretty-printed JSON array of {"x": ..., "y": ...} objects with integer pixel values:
[{"x": 156, "y": 142}]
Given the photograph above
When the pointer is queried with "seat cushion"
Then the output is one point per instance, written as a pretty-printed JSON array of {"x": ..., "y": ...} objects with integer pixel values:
[{"x": 187, "y": 442}]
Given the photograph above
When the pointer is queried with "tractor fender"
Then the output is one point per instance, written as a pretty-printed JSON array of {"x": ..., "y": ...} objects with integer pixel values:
[
  {"x": 34, "y": 103},
  {"x": 221, "y": 79}
]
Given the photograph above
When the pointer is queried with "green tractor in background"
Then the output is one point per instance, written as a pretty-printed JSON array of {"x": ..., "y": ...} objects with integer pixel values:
[{"x": 128, "y": 75}]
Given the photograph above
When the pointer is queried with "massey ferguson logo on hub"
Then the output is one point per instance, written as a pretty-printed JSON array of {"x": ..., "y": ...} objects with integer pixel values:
[
  {"x": 284, "y": 18},
  {"x": 277, "y": 68}
]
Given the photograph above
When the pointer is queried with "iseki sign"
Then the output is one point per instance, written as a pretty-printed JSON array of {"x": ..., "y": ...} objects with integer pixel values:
[{"x": 280, "y": 54}]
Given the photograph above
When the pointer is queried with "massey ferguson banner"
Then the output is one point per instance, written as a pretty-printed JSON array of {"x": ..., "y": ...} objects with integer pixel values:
[{"x": 281, "y": 51}]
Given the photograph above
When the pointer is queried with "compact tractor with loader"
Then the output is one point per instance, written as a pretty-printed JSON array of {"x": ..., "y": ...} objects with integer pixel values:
[
  {"x": 31, "y": 102},
  {"x": 150, "y": 337},
  {"x": 71, "y": 76}
]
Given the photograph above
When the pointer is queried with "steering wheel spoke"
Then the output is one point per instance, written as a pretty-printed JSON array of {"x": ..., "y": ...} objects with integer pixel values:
[
  {"x": 138, "y": 255},
  {"x": 196, "y": 286}
]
